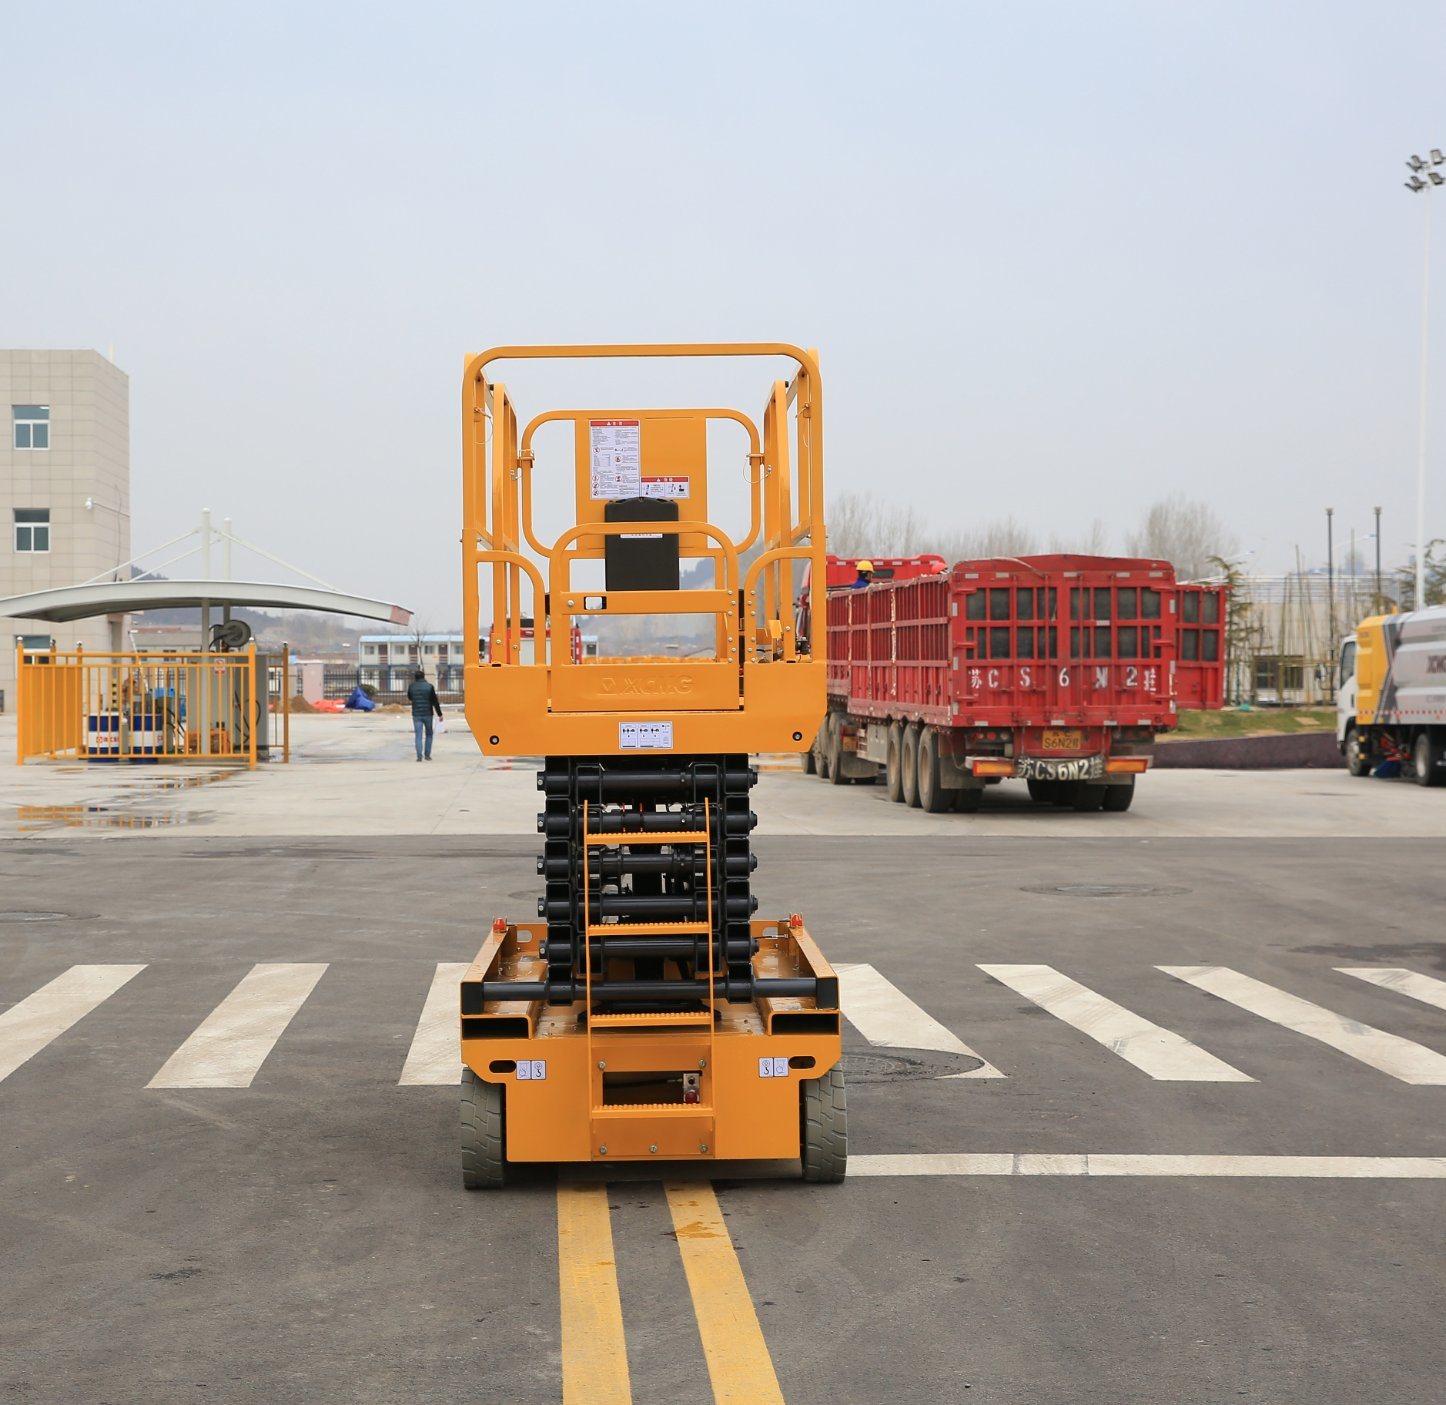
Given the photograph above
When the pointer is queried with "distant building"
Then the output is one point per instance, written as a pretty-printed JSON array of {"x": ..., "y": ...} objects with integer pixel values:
[
  {"x": 65, "y": 490},
  {"x": 388, "y": 661}
]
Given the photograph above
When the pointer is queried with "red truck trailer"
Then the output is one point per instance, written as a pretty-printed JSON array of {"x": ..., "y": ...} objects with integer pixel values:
[{"x": 1057, "y": 670}]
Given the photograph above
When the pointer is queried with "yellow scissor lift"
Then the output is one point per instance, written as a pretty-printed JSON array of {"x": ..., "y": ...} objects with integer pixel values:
[{"x": 648, "y": 1015}]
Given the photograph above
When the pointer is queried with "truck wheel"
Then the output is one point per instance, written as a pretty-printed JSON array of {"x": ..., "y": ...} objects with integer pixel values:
[
  {"x": 909, "y": 769},
  {"x": 821, "y": 746},
  {"x": 823, "y": 1127},
  {"x": 1357, "y": 762},
  {"x": 1088, "y": 798},
  {"x": 809, "y": 764},
  {"x": 968, "y": 800},
  {"x": 932, "y": 795},
  {"x": 1041, "y": 792},
  {"x": 894, "y": 764},
  {"x": 1427, "y": 756},
  {"x": 1118, "y": 797},
  {"x": 836, "y": 751},
  {"x": 484, "y": 1160}
]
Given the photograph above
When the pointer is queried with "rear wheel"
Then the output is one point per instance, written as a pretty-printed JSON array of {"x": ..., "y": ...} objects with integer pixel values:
[
  {"x": 484, "y": 1160},
  {"x": 1087, "y": 797},
  {"x": 1427, "y": 757},
  {"x": 836, "y": 751},
  {"x": 894, "y": 763},
  {"x": 1357, "y": 762},
  {"x": 823, "y": 1131},
  {"x": 932, "y": 795},
  {"x": 1118, "y": 797},
  {"x": 909, "y": 754}
]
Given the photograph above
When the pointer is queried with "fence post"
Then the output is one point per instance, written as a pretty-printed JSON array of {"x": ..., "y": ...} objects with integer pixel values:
[
  {"x": 286, "y": 700},
  {"x": 253, "y": 722},
  {"x": 21, "y": 707}
]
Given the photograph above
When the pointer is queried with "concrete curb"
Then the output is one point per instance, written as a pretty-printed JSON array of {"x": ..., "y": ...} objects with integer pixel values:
[{"x": 1290, "y": 751}]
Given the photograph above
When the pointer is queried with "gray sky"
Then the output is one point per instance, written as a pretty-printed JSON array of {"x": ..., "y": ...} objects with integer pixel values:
[{"x": 1059, "y": 260}]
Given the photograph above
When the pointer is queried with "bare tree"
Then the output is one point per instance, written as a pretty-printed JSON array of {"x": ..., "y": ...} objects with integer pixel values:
[
  {"x": 860, "y": 524},
  {"x": 1004, "y": 537},
  {"x": 1183, "y": 532},
  {"x": 1093, "y": 540}
]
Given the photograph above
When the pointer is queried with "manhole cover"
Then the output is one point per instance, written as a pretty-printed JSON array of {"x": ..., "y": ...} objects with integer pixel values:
[
  {"x": 21, "y": 914},
  {"x": 876, "y": 1066},
  {"x": 1107, "y": 890}
]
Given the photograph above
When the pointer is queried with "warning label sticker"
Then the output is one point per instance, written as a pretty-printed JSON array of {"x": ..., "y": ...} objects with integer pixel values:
[
  {"x": 616, "y": 454},
  {"x": 645, "y": 736},
  {"x": 665, "y": 487}
]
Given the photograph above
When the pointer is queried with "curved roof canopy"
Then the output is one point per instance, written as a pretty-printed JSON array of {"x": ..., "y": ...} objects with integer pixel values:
[{"x": 78, "y": 602}]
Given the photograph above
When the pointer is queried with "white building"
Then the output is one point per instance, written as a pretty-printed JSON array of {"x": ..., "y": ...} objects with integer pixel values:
[{"x": 65, "y": 490}]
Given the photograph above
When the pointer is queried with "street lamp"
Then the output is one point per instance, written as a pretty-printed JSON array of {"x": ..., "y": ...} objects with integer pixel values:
[{"x": 1416, "y": 185}]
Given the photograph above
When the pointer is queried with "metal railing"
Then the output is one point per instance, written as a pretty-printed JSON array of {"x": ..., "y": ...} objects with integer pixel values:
[{"x": 146, "y": 708}]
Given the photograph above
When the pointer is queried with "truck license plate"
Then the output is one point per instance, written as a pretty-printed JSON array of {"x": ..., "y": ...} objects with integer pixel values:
[{"x": 1063, "y": 739}]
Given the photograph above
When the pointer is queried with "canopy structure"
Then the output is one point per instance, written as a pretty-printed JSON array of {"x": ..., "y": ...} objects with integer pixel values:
[{"x": 78, "y": 602}]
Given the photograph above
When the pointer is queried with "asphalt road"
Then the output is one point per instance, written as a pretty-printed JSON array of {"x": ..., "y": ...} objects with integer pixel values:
[{"x": 306, "y": 1237}]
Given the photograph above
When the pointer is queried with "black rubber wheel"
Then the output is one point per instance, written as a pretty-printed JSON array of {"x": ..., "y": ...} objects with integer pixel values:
[
  {"x": 894, "y": 764},
  {"x": 823, "y": 1127},
  {"x": 909, "y": 767},
  {"x": 1119, "y": 797},
  {"x": 932, "y": 795},
  {"x": 821, "y": 747},
  {"x": 1357, "y": 762},
  {"x": 1041, "y": 792},
  {"x": 1426, "y": 755},
  {"x": 968, "y": 800},
  {"x": 1088, "y": 798},
  {"x": 809, "y": 764},
  {"x": 836, "y": 752},
  {"x": 484, "y": 1158}
]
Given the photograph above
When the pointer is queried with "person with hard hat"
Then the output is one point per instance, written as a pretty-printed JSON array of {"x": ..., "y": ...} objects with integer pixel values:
[{"x": 866, "y": 574}]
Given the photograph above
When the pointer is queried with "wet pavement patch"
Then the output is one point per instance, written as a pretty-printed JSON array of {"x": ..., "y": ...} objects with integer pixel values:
[
  {"x": 899, "y": 1066},
  {"x": 1107, "y": 890},
  {"x": 30, "y": 818}
]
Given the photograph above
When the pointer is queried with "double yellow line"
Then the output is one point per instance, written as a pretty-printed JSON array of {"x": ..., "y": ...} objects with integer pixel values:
[{"x": 594, "y": 1350}]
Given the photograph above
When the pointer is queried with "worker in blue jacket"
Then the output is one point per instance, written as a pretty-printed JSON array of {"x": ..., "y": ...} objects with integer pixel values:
[
  {"x": 423, "y": 698},
  {"x": 866, "y": 574}
]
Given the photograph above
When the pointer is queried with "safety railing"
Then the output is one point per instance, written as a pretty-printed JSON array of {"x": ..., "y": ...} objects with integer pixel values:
[{"x": 145, "y": 708}]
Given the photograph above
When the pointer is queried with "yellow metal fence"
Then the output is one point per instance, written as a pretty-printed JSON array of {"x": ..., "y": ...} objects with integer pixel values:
[{"x": 143, "y": 708}]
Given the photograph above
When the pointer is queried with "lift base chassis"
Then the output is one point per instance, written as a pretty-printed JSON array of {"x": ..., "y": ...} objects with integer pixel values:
[{"x": 620, "y": 1087}]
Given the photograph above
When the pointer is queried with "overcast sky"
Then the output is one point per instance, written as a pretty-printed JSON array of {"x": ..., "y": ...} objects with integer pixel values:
[{"x": 1059, "y": 260}]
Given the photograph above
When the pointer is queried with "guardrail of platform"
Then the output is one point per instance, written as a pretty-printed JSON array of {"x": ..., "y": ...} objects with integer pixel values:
[{"x": 142, "y": 708}]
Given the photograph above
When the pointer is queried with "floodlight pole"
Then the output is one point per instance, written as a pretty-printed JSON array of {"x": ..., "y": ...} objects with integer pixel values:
[{"x": 1420, "y": 185}]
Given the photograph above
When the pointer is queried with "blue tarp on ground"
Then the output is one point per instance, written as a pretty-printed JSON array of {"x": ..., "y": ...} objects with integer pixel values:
[{"x": 360, "y": 702}]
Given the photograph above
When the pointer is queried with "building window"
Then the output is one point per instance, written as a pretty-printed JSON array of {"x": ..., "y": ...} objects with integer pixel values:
[
  {"x": 32, "y": 529},
  {"x": 32, "y": 426}
]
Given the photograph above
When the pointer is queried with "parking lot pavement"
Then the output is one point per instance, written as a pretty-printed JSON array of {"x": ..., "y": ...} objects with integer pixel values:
[
  {"x": 357, "y": 776},
  {"x": 1169, "y": 1128}
]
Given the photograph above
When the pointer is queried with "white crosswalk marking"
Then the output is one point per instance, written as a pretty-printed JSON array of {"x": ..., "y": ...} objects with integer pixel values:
[
  {"x": 435, "y": 1057},
  {"x": 887, "y": 1018},
  {"x": 1411, "y": 1063},
  {"x": 1158, "y": 1052},
  {"x": 1033, "y": 1163},
  {"x": 1397, "y": 978},
  {"x": 27, "y": 1027},
  {"x": 229, "y": 1046}
]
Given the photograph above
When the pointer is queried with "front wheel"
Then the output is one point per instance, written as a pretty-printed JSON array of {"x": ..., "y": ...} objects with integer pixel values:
[
  {"x": 894, "y": 764},
  {"x": 1088, "y": 797},
  {"x": 1426, "y": 755},
  {"x": 823, "y": 1127},
  {"x": 809, "y": 764},
  {"x": 484, "y": 1159},
  {"x": 1041, "y": 792},
  {"x": 1119, "y": 797},
  {"x": 836, "y": 752},
  {"x": 909, "y": 753},
  {"x": 1357, "y": 762}
]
